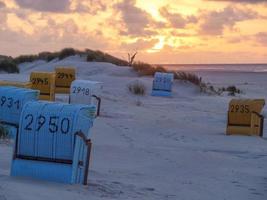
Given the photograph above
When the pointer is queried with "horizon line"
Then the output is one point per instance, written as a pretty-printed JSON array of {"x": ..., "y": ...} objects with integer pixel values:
[{"x": 211, "y": 64}]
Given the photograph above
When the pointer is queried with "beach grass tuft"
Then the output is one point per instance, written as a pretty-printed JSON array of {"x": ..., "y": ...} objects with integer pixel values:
[
  {"x": 9, "y": 66},
  {"x": 137, "y": 88},
  {"x": 190, "y": 77},
  {"x": 145, "y": 69},
  {"x": 64, "y": 53}
]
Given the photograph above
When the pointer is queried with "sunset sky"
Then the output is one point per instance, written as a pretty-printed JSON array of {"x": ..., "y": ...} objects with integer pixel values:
[{"x": 161, "y": 31}]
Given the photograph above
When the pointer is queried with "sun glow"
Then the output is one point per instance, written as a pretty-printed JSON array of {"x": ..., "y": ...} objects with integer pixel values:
[
  {"x": 163, "y": 30},
  {"x": 152, "y": 8},
  {"x": 157, "y": 47}
]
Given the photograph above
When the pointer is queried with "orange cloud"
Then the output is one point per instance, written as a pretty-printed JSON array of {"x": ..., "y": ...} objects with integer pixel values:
[
  {"x": 160, "y": 32},
  {"x": 214, "y": 22}
]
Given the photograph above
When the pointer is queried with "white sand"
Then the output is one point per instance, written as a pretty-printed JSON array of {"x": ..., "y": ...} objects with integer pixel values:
[{"x": 167, "y": 148}]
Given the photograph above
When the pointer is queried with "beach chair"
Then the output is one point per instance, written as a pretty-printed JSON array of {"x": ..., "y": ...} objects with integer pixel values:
[
  {"x": 64, "y": 78},
  {"x": 12, "y": 99},
  {"x": 45, "y": 83},
  {"x": 244, "y": 117},
  {"x": 53, "y": 142},
  {"x": 162, "y": 84},
  {"x": 86, "y": 92}
]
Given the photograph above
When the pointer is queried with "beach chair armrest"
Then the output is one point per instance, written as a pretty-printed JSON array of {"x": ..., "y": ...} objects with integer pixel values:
[
  {"x": 98, "y": 104},
  {"x": 86, "y": 158},
  {"x": 258, "y": 114}
]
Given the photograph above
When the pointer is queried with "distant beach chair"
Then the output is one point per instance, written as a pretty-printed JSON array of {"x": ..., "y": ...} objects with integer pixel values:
[
  {"x": 53, "y": 142},
  {"x": 244, "y": 117},
  {"x": 45, "y": 83},
  {"x": 12, "y": 100},
  {"x": 162, "y": 84},
  {"x": 64, "y": 78},
  {"x": 86, "y": 92}
]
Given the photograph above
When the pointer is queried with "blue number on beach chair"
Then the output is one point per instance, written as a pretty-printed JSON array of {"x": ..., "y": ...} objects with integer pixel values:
[
  {"x": 162, "y": 84},
  {"x": 53, "y": 142},
  {"x": 12, "y": 100}
]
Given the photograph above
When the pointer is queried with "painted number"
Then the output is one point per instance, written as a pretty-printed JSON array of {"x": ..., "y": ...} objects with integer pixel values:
[
  {"x": 53, "y": 127},
  {"x": 41, "y": 121},
  {"x": 9, "y": 102},
  {"x": 39, "y": 81},
  {"x": 239, "y": 108},
  {"x": 84, "y": 91},
  {"x": 53, "y": 123},
  {"x": 3, "y": 100},
  {"x": 65, "y": 125},
  {"x": 29, "y": 119}
]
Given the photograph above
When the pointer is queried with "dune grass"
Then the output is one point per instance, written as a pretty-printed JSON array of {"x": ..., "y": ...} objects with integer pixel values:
[
  {"x": 190, "y": 77},
  {"x": 47, "y": 56},
  {"x": 9, "y": 66},
  {"x": 99, "y": 56},
  {"x": 145, "y": 69},
  {"x": 195, "y": 80},
  {"x": 205, "y": 87},
  {"x": 232, "y": 90},
  {"x": 137, "y": 88}
]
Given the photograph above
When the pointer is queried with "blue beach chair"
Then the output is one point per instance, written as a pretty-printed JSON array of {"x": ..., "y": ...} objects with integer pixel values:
[
  {"x": 53, "y": 142},
  {"x": 162, "y": 84},
  {"x": 12, "y": 100}
]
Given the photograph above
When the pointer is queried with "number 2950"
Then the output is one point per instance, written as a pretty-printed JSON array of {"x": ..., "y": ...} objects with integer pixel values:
[{"x": 54, "y": 124}]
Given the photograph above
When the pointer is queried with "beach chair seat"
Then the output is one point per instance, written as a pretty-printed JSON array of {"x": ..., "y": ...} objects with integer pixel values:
[
  {"x": 86, "y": 92},
  {"x": 45, "y": 83},
  {"x": 64, "y": 78},
  {"x": 54, "y": 142},
  {"x": 162, "y": 84},
  {"x": 244, "y": 117}
]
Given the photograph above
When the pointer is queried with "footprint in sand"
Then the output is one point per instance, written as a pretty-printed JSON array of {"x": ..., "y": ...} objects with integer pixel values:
[
  {"x": 257, "y": 193},
  {"x": 116, "y": 189}
]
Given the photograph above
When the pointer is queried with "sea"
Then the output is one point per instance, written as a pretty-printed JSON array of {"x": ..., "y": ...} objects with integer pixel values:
[{"x": 217, "y": 67}]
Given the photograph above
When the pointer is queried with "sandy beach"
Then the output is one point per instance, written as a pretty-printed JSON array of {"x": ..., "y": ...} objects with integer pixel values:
[{"x": 147, "y": 147}]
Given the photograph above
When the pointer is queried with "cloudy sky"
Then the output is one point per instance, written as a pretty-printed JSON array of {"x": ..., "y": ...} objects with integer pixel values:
[{"x": 161, "y": 31}]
